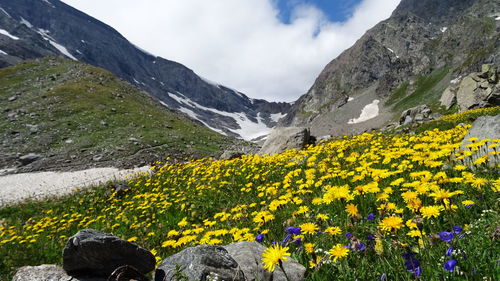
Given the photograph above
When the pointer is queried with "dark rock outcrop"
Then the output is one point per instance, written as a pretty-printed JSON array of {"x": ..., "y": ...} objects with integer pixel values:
[
  {"x": 90, "y": 253},
  {"x": 418, "y": 113}
]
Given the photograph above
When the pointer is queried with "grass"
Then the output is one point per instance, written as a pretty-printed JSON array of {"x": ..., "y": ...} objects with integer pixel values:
[
  {"x": 97, "y": 112},
  {"x": 328, "y": 190},
  {"x": 426, "y": 88}
]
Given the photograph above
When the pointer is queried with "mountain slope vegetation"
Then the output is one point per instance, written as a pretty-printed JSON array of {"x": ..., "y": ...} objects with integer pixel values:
[{"x": 76, "y": 115}]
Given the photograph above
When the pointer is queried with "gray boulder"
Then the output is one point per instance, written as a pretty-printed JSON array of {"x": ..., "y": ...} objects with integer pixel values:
[
  {"x": 418, "y": 113},
  {"x": 200, "y": 263},
  {"x": 449, "y": 97},
  {"x": 479, "y": 90},
  {"x": 282, "y": 139},
  {"x": 248, "y": 255},
  {"x": 45, "y": 273},
  {"x": 97, "y": 254},
  {"x": 231, "y": 154},
  {"x": 485, "y": 127},
  {"x": 29, "y": 158}
]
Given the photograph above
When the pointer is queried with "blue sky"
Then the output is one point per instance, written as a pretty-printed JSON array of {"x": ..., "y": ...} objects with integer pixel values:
[{"x": 335, "y": 10}]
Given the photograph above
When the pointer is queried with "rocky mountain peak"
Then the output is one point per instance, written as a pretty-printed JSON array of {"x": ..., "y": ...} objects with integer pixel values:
[{"x": 433, "y": 11}]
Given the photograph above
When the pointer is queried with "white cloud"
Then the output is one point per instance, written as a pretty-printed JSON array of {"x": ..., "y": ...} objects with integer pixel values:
[{"x": 241, "y": 44}]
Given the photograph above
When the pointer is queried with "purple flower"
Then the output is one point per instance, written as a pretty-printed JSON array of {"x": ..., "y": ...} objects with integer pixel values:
[
  {"x": 371, "y": 217},
  {"x": 457, "y": 229},
  {"x": 348, "y": 235},
  {"x": 449, "y": 251},
  {"x": 293, "y": 230},
  {"x": 287, "y": 238},
  {"x": 450, "y": 265},
  {"x": 297, "y": 241},
  {"x": 260, "y": 238},
  {"x": 383, "y": 277},
  {"x": 446, "y": 236}
]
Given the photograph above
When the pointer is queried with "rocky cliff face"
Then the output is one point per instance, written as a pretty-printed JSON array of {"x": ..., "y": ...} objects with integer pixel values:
[
  {"x": 37, "y": 28},
  {"x": 406, "y": 60}
]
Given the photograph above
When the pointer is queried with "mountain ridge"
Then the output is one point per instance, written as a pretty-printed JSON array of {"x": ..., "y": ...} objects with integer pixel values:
[{"x": 91, "y": 41}]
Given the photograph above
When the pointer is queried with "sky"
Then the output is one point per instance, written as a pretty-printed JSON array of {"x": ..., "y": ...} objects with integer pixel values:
[{"x": 268, "y": 49}]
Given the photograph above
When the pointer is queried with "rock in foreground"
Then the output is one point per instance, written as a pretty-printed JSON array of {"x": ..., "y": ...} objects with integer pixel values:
[
  {"x": 90, "y": 253},
  {"x": 282, "y": 139}
]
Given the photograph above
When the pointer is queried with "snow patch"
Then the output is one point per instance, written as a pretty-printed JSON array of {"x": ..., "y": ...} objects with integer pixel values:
[
  {"x": 5, "y": 12},
  {"x": 277, "y": 116},
  {"x": 6, "y": 33},
  {"x": 3, "y": 53},
  {"x": 456, "y": 80},
  {"x": 248, "y": 129},
  {"x": 350, "y": 99},
  {"x": 392, "y": 51},
  {"x": 78, "y": 51},
  {"x": 48, "y": 3},
  {"x": 27, "y": 23},
  {"x": 83, "y": 41},
  {"x": 370, "y": 111},
  {"x": 209, "y": 82},
  {"x": 497, "y": 18},
  {"x": 443, "y": 29},
  {"x": 62, "y": 49}
]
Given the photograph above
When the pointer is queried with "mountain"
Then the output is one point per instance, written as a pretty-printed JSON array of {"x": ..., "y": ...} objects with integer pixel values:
[
  {"x": 37, "y": 28},
  {"x": 73, "y": 115},
  {"x": 404, "y": 61}
]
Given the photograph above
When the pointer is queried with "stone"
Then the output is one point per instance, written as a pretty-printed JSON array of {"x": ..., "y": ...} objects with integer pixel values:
[
  {"x": 97, "y": 254},
  {"x": 29, "y": 158},
  {"x": 282, "y": 139},
  {"x": 13, "y": 98},
  {"x": 418, "y": 113},
  {"x": 479, "y": 90},
  {"x": 485, "y": 127},
  {"x": 201, "y": 263},
  {"x": 231, "y": 154},
  {"x": 248, "y": 255},
  {"x": 448, "y": 98},
  {"x": 121, "y": 189},
  {"x": 46, "y": 273},
  {"x": 126, "y": 273}
]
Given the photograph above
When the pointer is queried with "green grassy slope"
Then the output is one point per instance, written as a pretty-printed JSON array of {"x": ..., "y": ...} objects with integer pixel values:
[{"x": 85, "y": 116}]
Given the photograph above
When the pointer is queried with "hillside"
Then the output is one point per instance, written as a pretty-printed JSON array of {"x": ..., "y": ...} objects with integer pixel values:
[
  {"x": 75, "y": 115},
  {"x": 404, "y": 61},
  {"x": 360, "y": 207},
  {"x": 52, "y": 28}
]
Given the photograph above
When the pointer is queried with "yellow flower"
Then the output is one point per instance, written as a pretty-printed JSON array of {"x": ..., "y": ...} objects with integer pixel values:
[
  {"x": 132, "y": 239},
  {"x": 468, "y": 202},
  {"x": 333, "y": 230},
  {"x": 273, "y": 255},
  {"x": 430, "y": 211},
  {"x": 391, "y": 223},
  {"x": 338, "y": 251},
  {"x": 309, "y": 247},
  {"x": 183, "y": 222},
  {"x": 309, "y": 228},
  {"x": 352, "y": 210}
]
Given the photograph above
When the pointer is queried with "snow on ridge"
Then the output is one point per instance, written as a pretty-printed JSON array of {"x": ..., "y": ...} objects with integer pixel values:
[
  {"x": 392, "y": 51},
  {"x": 5, "y": 12},
  {"x": 6, "y": 33},
  {"x": 443, "y": 29},
  {"x": 3, "y": 53},
  {"x": 209, "y": 81},
  {"x": 369, "y": 111},
  {"x": 456, "y": 80},
  {"x": 248, "y": 129},
  {"x": 350, "y": 99},
  {"x": 25, "y": 22},
  {"x": 48, "y": 3}
]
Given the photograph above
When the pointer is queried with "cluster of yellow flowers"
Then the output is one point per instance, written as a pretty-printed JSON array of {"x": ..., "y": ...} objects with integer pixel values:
[{"x": 384, "y": 185}]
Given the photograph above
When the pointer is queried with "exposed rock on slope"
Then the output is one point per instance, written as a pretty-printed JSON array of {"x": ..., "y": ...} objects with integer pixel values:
[
  {"x": 52, "y": 28},
  {"x": 404, "y": 61}
]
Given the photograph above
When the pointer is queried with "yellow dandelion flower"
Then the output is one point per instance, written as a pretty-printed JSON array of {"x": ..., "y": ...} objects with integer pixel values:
[
  {"x": 132, "y": 239},
  {"x": 272, "y": 256},
  {"x": 430, "y": 211},
  {"x": 309, "y": 228},
  {"x": 338, "y": 251},
  {"x": 352, "y": 210},
  {"x": 333, "y": 230},
  {"x": 309, "y": 247},
  {"x": 391, "y": 223}
]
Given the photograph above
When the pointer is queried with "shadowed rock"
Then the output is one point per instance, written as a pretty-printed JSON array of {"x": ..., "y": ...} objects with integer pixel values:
[{"x": 93, "y": 253}]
